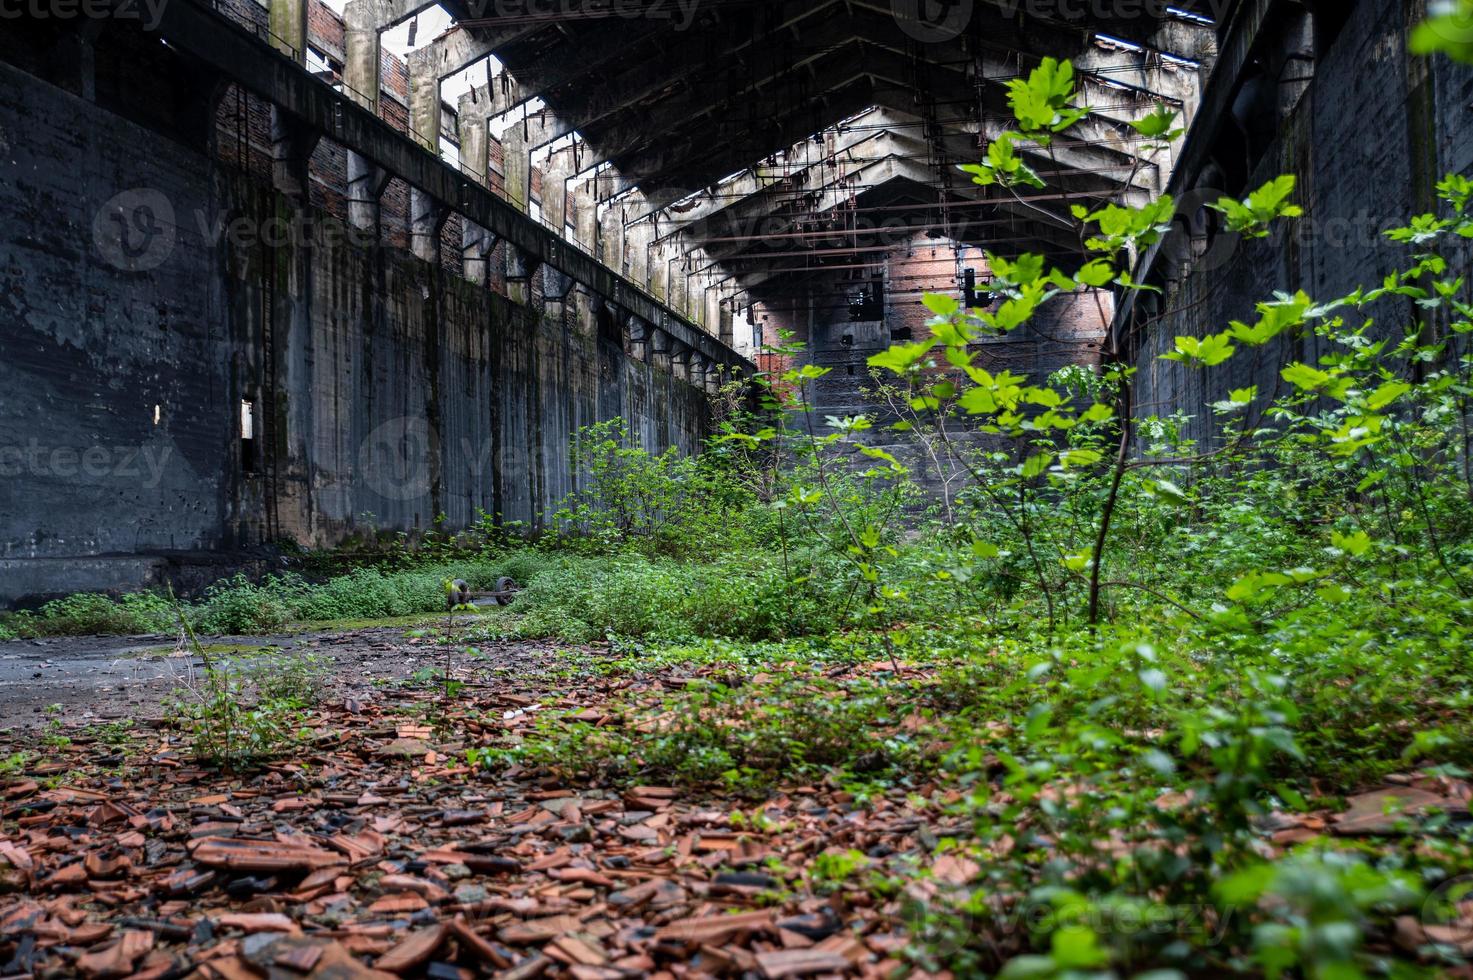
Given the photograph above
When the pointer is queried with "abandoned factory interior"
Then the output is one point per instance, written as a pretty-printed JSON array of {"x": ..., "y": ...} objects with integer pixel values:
[{"x": 736, "y": 488}]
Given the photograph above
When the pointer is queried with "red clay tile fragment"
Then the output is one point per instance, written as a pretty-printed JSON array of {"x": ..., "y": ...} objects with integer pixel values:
[{"x": 414, "y": 951}]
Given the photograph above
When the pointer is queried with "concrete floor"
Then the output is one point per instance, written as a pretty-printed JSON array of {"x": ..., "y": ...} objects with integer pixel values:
[{"x": 106, "y": 678}]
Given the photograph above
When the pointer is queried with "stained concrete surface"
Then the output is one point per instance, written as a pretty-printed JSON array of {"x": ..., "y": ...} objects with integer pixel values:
[{"x": 102, "y": 679}]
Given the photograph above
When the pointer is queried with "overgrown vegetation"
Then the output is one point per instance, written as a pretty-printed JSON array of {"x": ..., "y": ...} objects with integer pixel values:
[{"x": 1130, "y": 656}]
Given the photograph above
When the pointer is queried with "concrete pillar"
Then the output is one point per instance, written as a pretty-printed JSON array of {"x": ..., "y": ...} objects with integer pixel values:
[
  {"x": 726, "y": 323},
  {"x": 476, "y": 244},
  {"x": 659, "y": 272},
  {"x": 517, "y": 165},
  {"x": 637, "y": 238},
  {"x": 585, "y": 215},
  {"x": 660, "y": 343},
  {"x": 292, "y": 144},
  {"x": 362, "y": 53},
  {"x": 682, "y": 360},
  {"x": 475, "y": 149},
  {"x": 555, "y": 284},
  {"x": 288, "y": 25},
  {"x": 636, "y": 338},
  {"x": 366, "y": 183},
  {"x": 611, "y": 239},
  {"x": 426, "y": 220},
  {"x": 424, "y": 98},
  {"x": 555, "y": 174},
  {"x": 520, "y": 267}
]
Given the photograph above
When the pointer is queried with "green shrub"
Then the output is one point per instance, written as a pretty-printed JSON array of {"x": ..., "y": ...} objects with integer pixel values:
[
  {"x": 93, "y": 613},
  {"x": 238, "y": 606}
]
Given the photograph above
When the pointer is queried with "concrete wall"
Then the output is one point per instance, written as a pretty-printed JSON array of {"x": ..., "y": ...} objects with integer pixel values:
[
  {"x": 1367, "y": 139},
  {"x": 381, "y": 384}
]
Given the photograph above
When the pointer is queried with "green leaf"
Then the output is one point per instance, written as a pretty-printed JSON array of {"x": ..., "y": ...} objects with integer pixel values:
[
  {"x": 1449, "y": 31},
  {"x": 1078, "y": 562},
  {"x": 1170, "y": 491},
  {"x": 1076, "y": 458},
  {"x": 1306, "y": 378},
  {"x": 1157, "y": 125},
  {"x": 1209, "y": 351},
  {"x": 901, "y": 358},
  {"x": 1253, "y": 215},
  {"x": 941, "y": 304},
  {"x": 1040, "y": 102},
  {"x": 1037, "y": 465},
  {"x": 1136, "y": 227},
  {"x": 1077, "y": 948},
  {"x": 1386, "y": 394},
  {"x": 1274, "y": 319},
  {"x": 1355, "y": 545},
  {"x": 1096, "y": 273}
]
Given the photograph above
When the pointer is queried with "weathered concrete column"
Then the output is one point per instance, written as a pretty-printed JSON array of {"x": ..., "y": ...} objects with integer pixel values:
[
  {"x": 611, "y": 239},
  {"x": 637, "y": 338},
  {"x": 726, "y": 323},
  {"x": 516, "y": 164},
  {"x": 476, "y": 244},
  {"x": 424, "y": 98},
  {"x": 475, "y": 149},
  {"x": 520, "y": 267},
  {"x": 555, "y": 284},
  {"x": 659, "y": 272},
  {"x": 638, "y": 238},
  {"x": 555, "y": 174},
  {"x": 660, "y": 352},
  {"x": 292, "y": 144},
  {"x": 427, "y": 218},
  {"x": 288, "y": 25},
  {"x": 681, "y": 358},
  {"x": 366, "y": 183},
  {"x": 362, "y": 52},
  {"x": 584, "y": 214}
]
